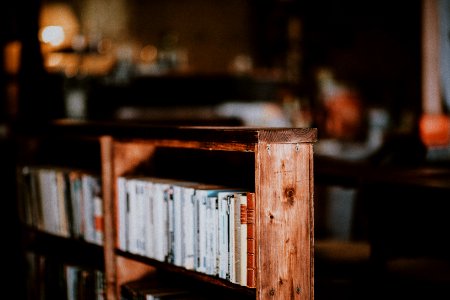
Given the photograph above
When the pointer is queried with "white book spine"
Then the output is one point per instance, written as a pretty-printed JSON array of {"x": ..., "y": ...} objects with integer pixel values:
[
  {"x": 216, "y": 237},
  {"x": 189, "y": 228},
  {"x": 231, "y": 238},
  {"x": 211, "y": 236},
  {"x": 49, "y": 200},
  {"x": 159, "y": 215},
  {"x": 140, "y": 215},
  {"x": 149, "y": 221},
  {"x": 88, "y": 209},
  {"x": 121, "y": 213},
  {"x": 177, "y": 226},
  {"x": 223, "y": 236},
  {"x": 196, "y": 241},
  {"x": 132, "y": 236},
  {"x": 202, "y": 233},
  {"x": 170, "y": 224},
  {"x": 166, "y": 221}
]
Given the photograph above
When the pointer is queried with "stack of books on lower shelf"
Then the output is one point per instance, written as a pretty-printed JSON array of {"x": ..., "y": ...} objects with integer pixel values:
[{"x": 49, "y": 278}]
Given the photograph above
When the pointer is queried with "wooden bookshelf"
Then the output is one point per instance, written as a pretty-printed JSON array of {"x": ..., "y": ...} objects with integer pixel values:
[{"x": 275, "y": 163}]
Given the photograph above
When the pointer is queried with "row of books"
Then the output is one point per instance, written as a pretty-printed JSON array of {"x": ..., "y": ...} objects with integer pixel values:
[
  {"x": 202, "y": 227},
  {"x": 60, "y": 201},
  {"x": 49, "y": 278}
]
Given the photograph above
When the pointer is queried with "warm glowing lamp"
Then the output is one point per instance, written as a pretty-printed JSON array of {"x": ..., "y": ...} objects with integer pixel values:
[{"x": 58, "y": 26}]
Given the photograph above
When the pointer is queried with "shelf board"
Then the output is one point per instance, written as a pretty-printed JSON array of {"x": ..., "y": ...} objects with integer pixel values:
[
  {"x": 75, "y": 251},
  {"x": 203, "y": 136},
  {"x": 213, "y": 281}
]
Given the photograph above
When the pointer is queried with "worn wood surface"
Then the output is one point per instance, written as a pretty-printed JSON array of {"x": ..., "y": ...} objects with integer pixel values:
[
  {"x": 108, "y": 204},
  {"x": 284, "y": 221}
]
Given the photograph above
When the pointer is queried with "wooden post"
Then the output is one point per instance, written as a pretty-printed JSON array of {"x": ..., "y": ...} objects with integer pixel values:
[
  {"x": 284, "y": 221},
  {"x": 431, "y": 97},
  {"x": 106, "y": 145}
]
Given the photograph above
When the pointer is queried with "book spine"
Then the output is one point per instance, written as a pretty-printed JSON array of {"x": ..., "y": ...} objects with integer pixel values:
[
  {"x": 166, "y": 193},
  {"x": 88, "y": 209},
  {"x": 49, "y": 200},
  {"x": 216, "y": 237},
  {"x": 149, "y": 225},
  {"x": 160, "y": 218},
  {"x": 177, "y": 226},
  {"x": 23, "y": 195},
  {"x": 131, "y": 230},
  {"x": 140, "y": 215},
  {"x": 121, "y": 224},
  {"x": 170, "y": 224},
  {"x": 251, "y": 241},
  {"x": 63, "y": 226},
  {"x": 223, "y": 237},
  {"x": 76, "y": 202},
  {"x": 202, "y": 254},
  {"x": 231, "y": 238},
  {"x": 189, "y": 236},
  {"x": 98, "y": 220},
  {"x": 241, "y": 239}
]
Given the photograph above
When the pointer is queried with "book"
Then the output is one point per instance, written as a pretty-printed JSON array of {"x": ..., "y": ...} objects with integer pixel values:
[
  {"x": 98, "y": 218},
  {"x": 212, "y": 237},
  {"x": 251, "y": 240},
  {"x": 224, "y": 233},
  {"x": 183, "y": 223},
  {"x": 240, "y": 236},
  {"x": 201, "y": 195},
  {"x": 161, "y": 189},
  {"x": 137, "y": 208},
  {"x": 122, "y": 214},
  {"x": 76, "y": 202},
  {"x": 48, "y": 199},
  {"x": 92, "y": 208},
  {"x": 26, "y": 209},
  {"x": 64, "y": 205},
  {"x": 233, "y": 235},
  {"x": 150, "y": 231},
  {"x": 71, "y": 276}
]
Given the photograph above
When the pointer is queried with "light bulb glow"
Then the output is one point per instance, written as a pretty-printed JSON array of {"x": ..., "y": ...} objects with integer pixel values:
[{"x": 53, "y": 35}]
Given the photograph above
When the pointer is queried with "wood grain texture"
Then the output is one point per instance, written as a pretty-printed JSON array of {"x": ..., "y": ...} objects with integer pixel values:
[
  {"x": 284, "y": 221},
  {"x": 106, "y": 146}
]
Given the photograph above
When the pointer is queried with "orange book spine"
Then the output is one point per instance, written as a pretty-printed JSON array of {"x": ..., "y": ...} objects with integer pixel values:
[{"x": 251, "y": 241}]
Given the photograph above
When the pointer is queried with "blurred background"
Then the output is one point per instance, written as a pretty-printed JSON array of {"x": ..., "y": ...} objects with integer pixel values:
[{"x": 372, "y": 76}]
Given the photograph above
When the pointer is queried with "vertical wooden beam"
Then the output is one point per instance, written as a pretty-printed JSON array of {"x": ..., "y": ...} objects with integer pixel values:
[
  {"x": 431, "y": 94},
  {"x": 106, "y": 145},
  {"x": 284, "y": 219},
  {"x": 127, "y": 156}
]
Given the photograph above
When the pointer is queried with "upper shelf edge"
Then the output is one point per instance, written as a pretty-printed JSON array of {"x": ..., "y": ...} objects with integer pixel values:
[{"x": 213, "y": 134}]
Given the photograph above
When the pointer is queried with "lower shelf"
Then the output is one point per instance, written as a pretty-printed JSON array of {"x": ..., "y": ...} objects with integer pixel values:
[
  {"x": 70, "y": 251},
  {"x": 192, "y": 279}
]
